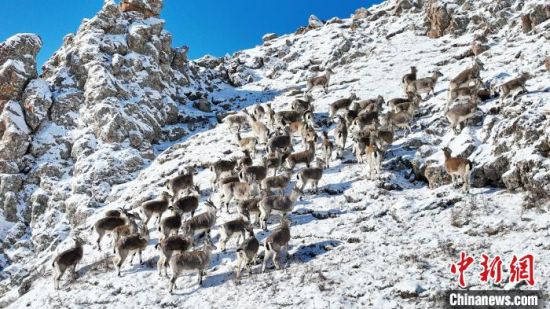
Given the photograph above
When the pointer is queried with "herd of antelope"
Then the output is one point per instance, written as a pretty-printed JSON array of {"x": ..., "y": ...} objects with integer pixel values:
[{"x": 256, "y": 183}]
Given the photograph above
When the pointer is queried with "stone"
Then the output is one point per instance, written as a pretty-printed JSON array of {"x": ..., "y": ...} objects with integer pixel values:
[
  {"x": 361, "y": 13},
  {"x": 314, "y": 22},
  {"x": 203, "y": 105},
  {"x": 37, "y": 100},
  {"x": 437, "y": 175},
  {"x": 14, "y": 132},
  {"x": 269, "y": 36}
]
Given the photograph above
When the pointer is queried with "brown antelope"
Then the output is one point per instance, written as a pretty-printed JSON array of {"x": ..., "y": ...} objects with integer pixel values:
[
  {"x": 464, "y": 77},
  {"x": 408, "y": 78},
  {"x": 341, "y": 104},
  {"x": 237, "y": 227},
  {"x": 67, "y": 259},
  {"x": 460, "y": 113},
  {"x": 458, "y": 167},
  {"x": 197, "y": 260},
  {"x": 341, "y": 136},
  {"x": 202, "y": 222},
  {"x": 220, "y": 168},
  {"x": 276, "y": 243},
  {"x": 513, "y": 84},
  {"x": 374, "y": 158},
  {"x": 169, "y": 246},
  {"x": 170, "y": 224},
  {"x": 131, "y": 244},
  {"x": 280, "y": 203},
  {"x": 424, "y": 85},
  {"x": 182, "y": 181},
  {"x": 321, "y": 80},
  {"x": 276, "y": 182},
  {"x": 108, "y": 225},
  {"x": 327, "y": 148},
  {"x": 247, "y": 143},
  {"x": 247, "y": 253},
  {"x": 237, "y": 121},
  {"x": 301, "y": 157},
  {"x": 155, "y": 207},
  {"x": 312, "y": 176},
  {"x": 249, "y": 207}
]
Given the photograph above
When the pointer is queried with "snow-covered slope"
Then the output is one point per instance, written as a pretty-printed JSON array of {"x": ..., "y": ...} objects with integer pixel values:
[{"x": 358, "y": 243}]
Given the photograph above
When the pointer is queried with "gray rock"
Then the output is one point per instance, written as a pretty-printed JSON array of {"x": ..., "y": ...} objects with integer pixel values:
[
  {"x": 269, "y": 36},
  {"x": 14, "y": 132},
  {"x": 437, "y": 175},
  {"x": 37, "y": 100}
]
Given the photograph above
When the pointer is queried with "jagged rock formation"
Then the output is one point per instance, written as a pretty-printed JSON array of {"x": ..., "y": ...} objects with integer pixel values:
[{"x": 117, "y": 110}]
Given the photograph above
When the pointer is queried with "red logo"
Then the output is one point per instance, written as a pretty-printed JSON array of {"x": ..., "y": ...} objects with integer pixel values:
[{"x": 522, "y": 268}]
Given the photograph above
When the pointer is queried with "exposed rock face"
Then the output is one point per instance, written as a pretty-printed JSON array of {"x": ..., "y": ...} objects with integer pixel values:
[
  {"x": 269, "y": 37},
  {"x": 314, "y": 22},
  {"x": 437, "y": 18},
  {"x": 17, "y": 64}
]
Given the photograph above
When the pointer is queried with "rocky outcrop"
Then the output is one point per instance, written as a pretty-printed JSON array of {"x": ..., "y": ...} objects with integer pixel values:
[
  {"x": 268, "y": 37},
  {"x": 314, "y": 22}
]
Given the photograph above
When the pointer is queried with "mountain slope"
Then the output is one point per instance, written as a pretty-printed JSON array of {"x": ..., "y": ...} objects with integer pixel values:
[{"x": 384, "y": 243}]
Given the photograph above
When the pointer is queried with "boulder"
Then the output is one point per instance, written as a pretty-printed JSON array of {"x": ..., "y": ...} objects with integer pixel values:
[
  {"x": 149, "y": 8},
  {"x": 17, "y": 64},
  {"x": 179, "y": 59},
  {"x": 14, "y": 132},
  {"x": 361, "y": 13},
  {"x": 269, "y": 37},
  {"x": 37, "y": 100},
  {"x": 437, "y": 18},
  {"x": 314, "y": 22},
  {"x": 437, "y": 175}
]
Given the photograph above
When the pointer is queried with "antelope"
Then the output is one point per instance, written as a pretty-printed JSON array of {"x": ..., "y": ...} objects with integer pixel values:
[
  {"x": 181, "y": 182},
  {"x": 201, "y": 222},
  {"x": 341, "y": 104},
  {"x": 221, "y": 167},
  {"x": 273, "y": 161},
  {"x": 249, "y": 206},
  {"x": 244, "y": 161},
  {"x": 254, "y": 173},
  {"x": 374, "y": 158},
  {"x": 400, "y": 120},
  {"x": 237, "y": 226},
  {"x": 170, "y": 224},
  {"x": 460, "y": 113},
  {"x": 170, "y": 245},
  {"x": 303, "y": 105},
  {"x": 305, "y": 157},
  {"x": 260, "y": 130},
  {"x": 124, "y": 230},
  {"x": 308, "y": 135},
  {"x": 327, "y": 148},
  {"x": 513, "y": 84},
  {"x": 258, "y": 111},
  {"x": 285, "y": 117},
  {"x": 341, "y": 136},
  {"x": 362, "y": 139},
  {"x": 237, "y": 190},
  {"x": 226, "y": 180},
  {"x": 186, "y": 204},
  {"x": 279, "y": 142},
  {"x": 133, "y": 244},
  {"x": 67, "y": 259},
  {"x": 311, "y": 176},
  {"x": 383, "y": 138},
  {"x": 247, "y": 253},
  {"x": 365, "y": 120},
  {"x": 464, "y": 77},
  {"x": 193, "y": 260},
  {"x": 270, "y": 115},
  {"x": 465, "y": 91},
  {"x": 321, "y": 80},
  {"x": 276, "y": 182},
  {"x": 235, "y": 120},
  {"x": 155, "y": 207},
  {"x": 408, "y": 78},
  {"x": 107, "y": 225},
  {"x": 424, "y": 85},
  {"x": 277, "y": 242},
  {"x": 407, "y": 106},
  {"x": 279, "y": 203},
  {"x": 247, "y": 143},
  {"x": 458, "y": 167},
  {"x": 370, "y": 105}
]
